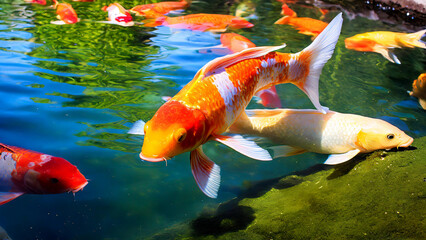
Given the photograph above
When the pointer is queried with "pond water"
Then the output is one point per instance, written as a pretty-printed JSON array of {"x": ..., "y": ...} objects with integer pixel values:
[{"x": 73, "y": 91}]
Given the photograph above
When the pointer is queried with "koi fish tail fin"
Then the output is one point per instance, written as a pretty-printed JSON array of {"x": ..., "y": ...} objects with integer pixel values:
[
  {"x": 413, "y": 39},
  {"x": 283, "y": 20},
  {"x": 306, "y": 66},
  {"x": 154, "y": 23}
]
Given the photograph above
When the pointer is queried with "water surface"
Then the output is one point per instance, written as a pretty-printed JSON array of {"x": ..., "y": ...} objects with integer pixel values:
[{"x": 74, "y": 90}]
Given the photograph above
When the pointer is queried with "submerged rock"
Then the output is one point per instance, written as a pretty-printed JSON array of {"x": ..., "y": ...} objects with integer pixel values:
[{"x": 380, "y": 196}]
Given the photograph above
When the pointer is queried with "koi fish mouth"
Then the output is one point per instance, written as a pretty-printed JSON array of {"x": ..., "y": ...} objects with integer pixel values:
[
  {"x": 151, "y": 159},
  {"x": 407, "y": 143},
  {"x": 80, "y": 187}
]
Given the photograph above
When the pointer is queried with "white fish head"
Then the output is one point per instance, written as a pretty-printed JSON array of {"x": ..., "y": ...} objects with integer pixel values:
[{"x": 378, "y": 134}]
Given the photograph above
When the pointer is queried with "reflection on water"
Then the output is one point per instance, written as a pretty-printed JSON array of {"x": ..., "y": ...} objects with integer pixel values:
[{"x": 74, "y": 91}]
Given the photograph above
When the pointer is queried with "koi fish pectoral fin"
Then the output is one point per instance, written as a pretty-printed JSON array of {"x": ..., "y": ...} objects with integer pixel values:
[
  {"x": 387, "y": 54},
  {"x": 8, "y": 196},
  {"x": 137, "y": 128},
  {"x": 286, "y": 151},
  {"x": 206, "y": 172},
  {"x": 335, "y": 159},
  {"x": 244, "y": 146},
  {"x": 58, "y": 22}
]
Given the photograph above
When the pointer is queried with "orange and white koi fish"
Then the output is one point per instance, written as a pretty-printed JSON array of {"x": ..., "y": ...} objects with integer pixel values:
[
  {"x": 41, "y": 2},
  {"x": 154, "y": 9},
  {"x": 305, "y": 25},
  {"x": 117, "y": 14},
  {"x": 202, "y": 22},
  {"x": 341, "y": 135},
  {"x": 419, "y": 89},
  {"x": 382, "y": 41},
  {"x": 219, "y": 93},
  {"x": 66, "y": 14},
  {"x": 24, "y": 171}
]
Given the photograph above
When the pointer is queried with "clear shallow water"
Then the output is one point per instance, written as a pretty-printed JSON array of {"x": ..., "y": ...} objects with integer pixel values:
[{"x": 74, "y": 90}]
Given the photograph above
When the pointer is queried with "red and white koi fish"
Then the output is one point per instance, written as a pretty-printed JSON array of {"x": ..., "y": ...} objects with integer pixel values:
[
  {"x": 202, "y": 22},
  {"x": 25, "y": 171},
  {"x": 153, "y": 10},
  {"x": 305, "y": 25},
  {"x": 382, "y": 41},
  {"x": 220, "y": 91},
  {"x": 41, "y": 2},
  {"x": 66, "y": 14},
  {"x": 117, "y": 14},
  {"x": 342, "y": 136},
  {"x": 419, "y": 89}
]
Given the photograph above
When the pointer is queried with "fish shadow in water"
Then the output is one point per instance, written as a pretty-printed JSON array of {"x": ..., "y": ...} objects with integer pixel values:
[
  {"x": 230, "y": 217},
  {"x": 346, "y": 167}
]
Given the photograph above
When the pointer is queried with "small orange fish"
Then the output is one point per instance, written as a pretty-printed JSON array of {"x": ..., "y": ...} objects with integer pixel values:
[
  {"x": 285, "y": 10},
  {"x": 153, "y": 10},
  {"x": 66, "y": 14},
  {"x": 24, "y": 171},
  {"x": 382, "y": 41},
  {"x": 202, "y": 22},
  {"x": 419, "y": 89},
  {"x": 220, "y": 91},
  {"x": 305, "y": 25},
  {"x": 41, "y": 2},
  {"x": 117, "y": 14},
  {"x": 235, "y": 42}
]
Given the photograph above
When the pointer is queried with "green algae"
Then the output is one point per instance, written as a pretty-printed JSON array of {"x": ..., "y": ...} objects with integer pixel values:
[{"x": 378, "y": 196}]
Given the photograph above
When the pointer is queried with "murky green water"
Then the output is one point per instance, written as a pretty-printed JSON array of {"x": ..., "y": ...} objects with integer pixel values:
[{"x": 74, "y": 90}]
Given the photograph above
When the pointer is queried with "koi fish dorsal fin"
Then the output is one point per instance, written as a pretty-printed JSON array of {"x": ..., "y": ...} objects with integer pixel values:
[
  {"x": 206, "y": 172},
  {"x": 228, "y": 60}
]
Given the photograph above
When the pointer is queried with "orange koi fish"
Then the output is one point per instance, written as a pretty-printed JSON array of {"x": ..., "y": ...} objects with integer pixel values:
[
  {"x": 305, "y": 25},
  {"x": 41, "y": 2},
  {"x": 220, "y": 91},
  {"x": 419, "y": 89},
  {"x": 153, "y": 10},
  {"x": 66, "y": 14},
  {"x": 24, "y": 171},
  {"x": 382, "y": 41},
  {"x": 342, "y": 136},
  {"x": 117, "y": 14},
  {"x": 202, "y": 22}
]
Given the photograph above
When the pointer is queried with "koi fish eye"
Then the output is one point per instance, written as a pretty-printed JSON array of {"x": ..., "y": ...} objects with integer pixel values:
[
  {"x": 390, "y": 136},
  {"x": 145, "y": 128},
  {"x": 54, "y": 180},
  {"x": 180, "y": 135}
]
